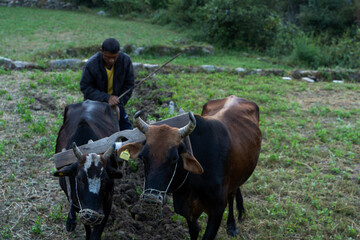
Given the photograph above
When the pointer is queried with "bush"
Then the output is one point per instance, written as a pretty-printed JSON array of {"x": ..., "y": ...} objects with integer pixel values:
[
  {"x": 346, "y": 51},
  {"x": 283, "y": 43},
  {"x": 331, "y": 16},
  {"x": 308, "y": 52},
  {"x": 238, "y": 23}
]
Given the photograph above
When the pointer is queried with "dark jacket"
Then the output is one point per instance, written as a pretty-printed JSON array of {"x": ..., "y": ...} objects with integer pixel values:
[{"x": 94, "y": 80}]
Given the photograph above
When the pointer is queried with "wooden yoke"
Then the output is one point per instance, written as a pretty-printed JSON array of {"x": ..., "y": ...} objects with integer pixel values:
[{"x": 100, "y": 146}]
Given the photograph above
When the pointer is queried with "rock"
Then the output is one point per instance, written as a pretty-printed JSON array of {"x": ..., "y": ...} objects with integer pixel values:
[
  {"x": 137, "y": 66},
  {"x": 287, "y": 78},
  {"x": 151, "y": 66},
  {"x": 101, "y": 13},
  {"x": 7, "y": 63},
  {"x": 306, "y": 79},
  {"x": 240, "y": 70},
  {"x": 66, "y": 63},
  {"x": 208, "y": 68},
  {"x": 139, "y": 51},
  {"x": 338, "y": 81},
  {"x": 22, "y": 65},
  {"x": 171, "y": 107}
]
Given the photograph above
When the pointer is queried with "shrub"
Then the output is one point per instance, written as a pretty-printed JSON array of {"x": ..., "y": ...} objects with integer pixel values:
[
  {"x": 283, "y": 43},
  {"x": 235, "y": 23},
  {"x": 332, "y": 16},
  {"x": 307, "y": 51},
  {"x": 346, "y": 51}
]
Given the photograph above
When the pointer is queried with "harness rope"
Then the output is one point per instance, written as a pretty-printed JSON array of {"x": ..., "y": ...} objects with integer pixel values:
[
  {"x": 162, "y": 194},
  {"x": 86, "y": 216}
]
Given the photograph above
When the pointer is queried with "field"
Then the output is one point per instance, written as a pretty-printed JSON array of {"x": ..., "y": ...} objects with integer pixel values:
[{"x": 306, "y": 184}]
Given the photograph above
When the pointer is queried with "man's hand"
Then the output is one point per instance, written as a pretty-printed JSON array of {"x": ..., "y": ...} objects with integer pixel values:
[{"x": 113, "y": 100}]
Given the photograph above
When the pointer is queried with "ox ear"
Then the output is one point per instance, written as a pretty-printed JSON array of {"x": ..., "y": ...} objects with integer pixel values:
[
  {"x": 133, "y": 148},
  {"x": 67, "y": 171},
  {"x": 191, "y": 164}
]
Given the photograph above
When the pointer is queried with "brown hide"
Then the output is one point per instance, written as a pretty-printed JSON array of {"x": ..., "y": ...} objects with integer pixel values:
[{"x": 241, "y": 118}]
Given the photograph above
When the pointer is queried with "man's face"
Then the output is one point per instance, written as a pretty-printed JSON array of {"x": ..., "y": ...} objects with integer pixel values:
[{"x": 109, "y": 58}]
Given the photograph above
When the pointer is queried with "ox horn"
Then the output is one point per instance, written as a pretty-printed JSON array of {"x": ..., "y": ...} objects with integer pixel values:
[
  {"x": 77, "y": 151},
  {"x": 186, "y": 130},
  {"x": 108, "y": 152},
  {"x": 140, "y": 124}
]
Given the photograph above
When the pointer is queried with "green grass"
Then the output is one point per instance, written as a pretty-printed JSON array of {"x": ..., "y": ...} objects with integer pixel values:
[
  {"x": 306, "y": 184},
  {"x": 31, "y": 31},
  {"x": 32, "y": 34}
]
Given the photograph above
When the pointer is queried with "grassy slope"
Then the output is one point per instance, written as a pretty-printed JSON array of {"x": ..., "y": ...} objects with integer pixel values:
[{"x": 29, "y": 32}]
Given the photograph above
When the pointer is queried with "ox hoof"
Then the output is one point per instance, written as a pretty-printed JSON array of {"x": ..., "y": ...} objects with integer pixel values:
[
  {"x": 232, "y": 230},
  {"x": 70, "y": 225}
]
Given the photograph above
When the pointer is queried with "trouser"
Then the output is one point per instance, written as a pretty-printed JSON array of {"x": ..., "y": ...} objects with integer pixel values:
[{"x": 124, "y": 122}]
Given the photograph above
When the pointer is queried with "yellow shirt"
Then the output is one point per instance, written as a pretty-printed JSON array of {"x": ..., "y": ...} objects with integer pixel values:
[{"x": 110, "y": 74}]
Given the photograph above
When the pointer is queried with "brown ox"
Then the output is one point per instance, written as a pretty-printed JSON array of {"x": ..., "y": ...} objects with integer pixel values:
[{"x": 226, "y": 142}]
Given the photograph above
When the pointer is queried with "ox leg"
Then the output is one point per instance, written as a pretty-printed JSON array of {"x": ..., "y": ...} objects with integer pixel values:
[
  {"x": 231, "y": 228},
  {"x": 240, "y": 204},
  {"x": 193, "y": 229},
  {"x": 98, "y": 229},
  {"x": 71, "y": 220},
  {"x": 88, "y": 232},
  {"x": 213, "y": 223}
]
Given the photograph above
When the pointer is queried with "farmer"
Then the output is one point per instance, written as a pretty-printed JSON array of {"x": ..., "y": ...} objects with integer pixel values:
[{"x": 107, "y": 75}]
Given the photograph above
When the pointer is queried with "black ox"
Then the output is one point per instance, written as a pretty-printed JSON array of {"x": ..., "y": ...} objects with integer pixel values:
[
  {"x": 88, "y": 183},
  {"x": 226, "y": 142}
]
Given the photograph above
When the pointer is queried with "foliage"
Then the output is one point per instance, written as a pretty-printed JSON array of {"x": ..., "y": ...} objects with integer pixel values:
[
  {"x": 346, "y": 51},
  {"x": 308, "y": 52},
  {"x": 332, "y": 16},
  {"x": 235, "y": 23}
]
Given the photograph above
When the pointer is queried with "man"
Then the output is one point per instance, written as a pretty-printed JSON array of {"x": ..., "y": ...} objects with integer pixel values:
[{"x": 107, "y": 75}]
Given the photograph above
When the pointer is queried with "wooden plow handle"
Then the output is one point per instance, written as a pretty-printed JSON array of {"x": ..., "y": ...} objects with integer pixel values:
[{"x": 100, "y": 146}]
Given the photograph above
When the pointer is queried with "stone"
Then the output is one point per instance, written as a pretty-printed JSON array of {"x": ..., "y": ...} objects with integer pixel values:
[
  {"x": 208, "y": 68},
  {"x": 306, "y": 79},
  {"x": 137, "y": 66},
  {"x": 151, "y": 66},
  {"x": 6, "y": 63},
  {"x": 287, "y": 78},
  {"x": 171, "y": 107},
  {"x": 101, "y": 13},
  {"x": 240, "y": 70},
  {"x": 338, "y": 81},
  {"x": 139, "y": 51},
  {"x": 22, "y": 65},
  {"x": 66, "y": 63}
]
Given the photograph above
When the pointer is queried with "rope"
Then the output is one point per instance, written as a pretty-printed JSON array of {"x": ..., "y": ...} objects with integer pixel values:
[{"x": 162, "y": 194}]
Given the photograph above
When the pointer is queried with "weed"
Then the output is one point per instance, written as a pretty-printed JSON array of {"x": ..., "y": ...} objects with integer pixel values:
[
  {"x": 38, "y": 228},
  {"x": 56, "y": 213},
  {"x": 6, "y": 232},
  {"x": 27, "y": 116}
]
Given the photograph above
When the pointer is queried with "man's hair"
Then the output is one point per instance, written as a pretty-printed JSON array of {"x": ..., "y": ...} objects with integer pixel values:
[{"x": 111, "y": 45}]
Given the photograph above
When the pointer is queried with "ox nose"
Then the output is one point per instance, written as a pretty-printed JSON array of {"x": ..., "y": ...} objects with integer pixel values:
[
  {"x": 90, "y": 217},
  {"x": 152, "y": 196}
]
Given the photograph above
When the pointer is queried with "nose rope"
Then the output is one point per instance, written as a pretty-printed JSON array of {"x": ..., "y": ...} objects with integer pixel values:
[
  {"x": 160, "y": 193},
  {"x": 88, "y": 216}
]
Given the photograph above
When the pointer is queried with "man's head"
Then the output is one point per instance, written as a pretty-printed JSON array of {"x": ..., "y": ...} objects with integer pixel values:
[{"x": 110, "y": 51}]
